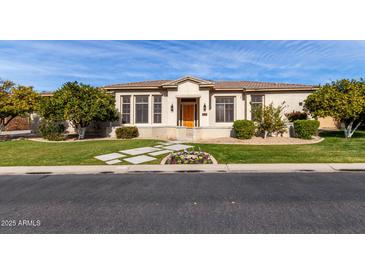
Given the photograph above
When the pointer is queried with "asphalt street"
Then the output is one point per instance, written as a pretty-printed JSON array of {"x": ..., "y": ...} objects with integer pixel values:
[{"x": 184, "y": 203}]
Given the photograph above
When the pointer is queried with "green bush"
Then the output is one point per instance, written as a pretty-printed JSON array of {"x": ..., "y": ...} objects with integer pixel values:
[
  {"x": 269, "y": 120},
  {"x": 244, "y": 129},
  {"x": 126, "y": 132},
  {"x": 51, "y": 130},
  {"x": 296, "y": 115},
  {"x": 305, "y": 129}
]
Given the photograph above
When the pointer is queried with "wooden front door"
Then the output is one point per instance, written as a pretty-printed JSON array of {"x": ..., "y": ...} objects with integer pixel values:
[{"x": 188, "y": 115}]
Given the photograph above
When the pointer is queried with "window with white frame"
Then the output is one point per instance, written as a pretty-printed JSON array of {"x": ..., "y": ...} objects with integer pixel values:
[
  {"x": 126, "y": 109},
  {"x": 224, "y": 109},
  {"x": 157, "y": 109},
  {"x": 256, "y": 106},
  {"x": 141, "y": 109}
]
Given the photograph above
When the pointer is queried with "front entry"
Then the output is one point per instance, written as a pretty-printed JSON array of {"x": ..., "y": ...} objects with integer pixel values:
[{"x": 188, "y": 115}]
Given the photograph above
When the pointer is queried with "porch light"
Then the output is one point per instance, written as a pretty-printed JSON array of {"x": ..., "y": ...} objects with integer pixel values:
[
  {"x": 172, "y": 108},
  {"x": 205, "y": 107}
]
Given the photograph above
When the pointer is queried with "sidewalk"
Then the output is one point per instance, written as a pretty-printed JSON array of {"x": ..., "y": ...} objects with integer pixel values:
[{"x": 221, "y": 168}]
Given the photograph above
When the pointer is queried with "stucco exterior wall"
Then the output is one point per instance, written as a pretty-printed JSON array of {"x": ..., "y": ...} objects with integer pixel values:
[
  {"x": 329, "y": 123},
  {"x": 179, "y": 133},
  {"x": 205, "y": 96},
  {"x": 212, "y": 133},
  {"x": 188, "y": 88},
  {"x": 171, "y": 115},
  {"x": 294, "y": 101}
]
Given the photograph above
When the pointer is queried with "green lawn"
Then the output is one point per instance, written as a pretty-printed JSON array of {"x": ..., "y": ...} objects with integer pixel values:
[
  {"x": 334, "y": 149},
  {"x": 31, "y": 153}
]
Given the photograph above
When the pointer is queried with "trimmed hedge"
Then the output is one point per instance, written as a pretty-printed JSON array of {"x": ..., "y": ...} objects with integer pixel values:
[
  {"x": 126, "y": 132},
  {"x": 244, "y": 129},
  {"x": 52, "y": 131},
  {"x": 296, "y": 115},
  {"x": 305, "y": 129}
]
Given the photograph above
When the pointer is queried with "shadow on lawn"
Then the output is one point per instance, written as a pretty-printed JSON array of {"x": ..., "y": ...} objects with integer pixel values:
[{"x": 340, "y": 134}]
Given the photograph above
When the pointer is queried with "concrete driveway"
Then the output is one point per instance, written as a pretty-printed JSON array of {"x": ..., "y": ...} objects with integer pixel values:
[{"x": 184, "y": 203}]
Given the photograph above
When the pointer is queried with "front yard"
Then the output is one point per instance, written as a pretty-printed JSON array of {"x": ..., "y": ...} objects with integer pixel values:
[
  {"x": 334, "y": 149},
  {"x": 31, "y": 153}
]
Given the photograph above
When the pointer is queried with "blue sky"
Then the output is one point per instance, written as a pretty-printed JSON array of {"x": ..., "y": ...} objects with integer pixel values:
[{"x": 47, "y": 64}]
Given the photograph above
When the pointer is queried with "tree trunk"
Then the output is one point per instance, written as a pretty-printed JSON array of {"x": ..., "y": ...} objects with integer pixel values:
[
  {"x": 81, "y": 132},
  {"x": 348, "y": 129}
]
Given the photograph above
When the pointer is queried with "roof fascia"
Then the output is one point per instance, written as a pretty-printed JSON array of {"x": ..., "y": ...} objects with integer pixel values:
[
  {"x": 282, "y": 89},
  {"x": 129, "y": 88},
  {"x": 188, "y": 78}
]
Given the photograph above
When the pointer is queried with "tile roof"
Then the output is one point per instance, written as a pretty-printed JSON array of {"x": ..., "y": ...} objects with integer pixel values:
[
  {"x": 255, "y": 85},
  {"x": 217, "y": 85},
  {"x": 154, "y": 83}
]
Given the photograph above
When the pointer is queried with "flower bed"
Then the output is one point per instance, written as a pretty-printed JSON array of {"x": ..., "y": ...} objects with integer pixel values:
[{"x": 189, "y": 157}]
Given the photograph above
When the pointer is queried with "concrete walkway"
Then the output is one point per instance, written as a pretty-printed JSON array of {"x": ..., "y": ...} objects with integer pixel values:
[{"x": 219, "y": 168}]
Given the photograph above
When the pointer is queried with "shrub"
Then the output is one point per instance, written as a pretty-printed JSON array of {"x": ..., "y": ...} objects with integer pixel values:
[
  {"x": 269, "y": 120},
  {"x": 296, "y": 115},
  {"x": 305, "y": 129},
  {"x": 52, "y": 131},
  {"x": 126, "y": 132},
  {"x": 244, "y": 129}
]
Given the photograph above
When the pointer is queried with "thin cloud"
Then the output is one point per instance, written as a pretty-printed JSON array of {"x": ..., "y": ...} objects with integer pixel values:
[{"x": 48, "y": 64}]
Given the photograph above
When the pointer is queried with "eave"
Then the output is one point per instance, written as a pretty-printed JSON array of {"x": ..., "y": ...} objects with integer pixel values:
[
  {"x": 129, "y": 88},
  {"x": 282, "y": 89}
]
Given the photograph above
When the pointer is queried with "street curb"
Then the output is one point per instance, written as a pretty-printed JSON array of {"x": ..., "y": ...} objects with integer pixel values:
[{"x": 213, "y": 168}]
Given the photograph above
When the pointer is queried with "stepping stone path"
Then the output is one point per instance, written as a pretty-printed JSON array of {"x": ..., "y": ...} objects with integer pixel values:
[
  {"x": 140, "y": 150},
  {"x": 163, "y": 148},
  {"x": 156, "y": 153},
  {"x": 110, "y": 156},
  {"x": 165, "y": 143},
  {"x": 177, "y": 147},
  {"x": 139, "y": 159},
  {"x": 112, "y": 162}
]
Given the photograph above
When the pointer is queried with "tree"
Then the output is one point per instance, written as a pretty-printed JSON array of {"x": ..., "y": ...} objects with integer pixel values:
[
  {"x": 80, "y": 105},
  {"x": 344, "y": 100},
  {"x": 16, "y": 100},
  {"x": 269, "y": 120},
  {"x": 51, "y": 108}
]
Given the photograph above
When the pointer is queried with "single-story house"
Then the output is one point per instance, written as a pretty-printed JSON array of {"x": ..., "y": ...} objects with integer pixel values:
[{"x": 190, "y": 108}]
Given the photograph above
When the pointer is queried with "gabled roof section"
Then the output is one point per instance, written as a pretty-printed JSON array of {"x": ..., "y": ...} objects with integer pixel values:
[
  {"x": 217, "y": 85},
  {"x": 188, "y": 78}
]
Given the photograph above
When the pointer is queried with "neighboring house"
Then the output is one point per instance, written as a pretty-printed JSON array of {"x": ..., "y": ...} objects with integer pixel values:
[{"x": 191, "y": 108}]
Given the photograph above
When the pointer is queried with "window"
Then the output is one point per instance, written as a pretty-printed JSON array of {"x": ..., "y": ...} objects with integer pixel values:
[
  {"x": 256, "y": 105},
  {"x": 142, "y": 109},
  {"x": 126, "y": 109},
  {"x": 224, "y": 109},
  {"x": 157, "y": 109}
]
